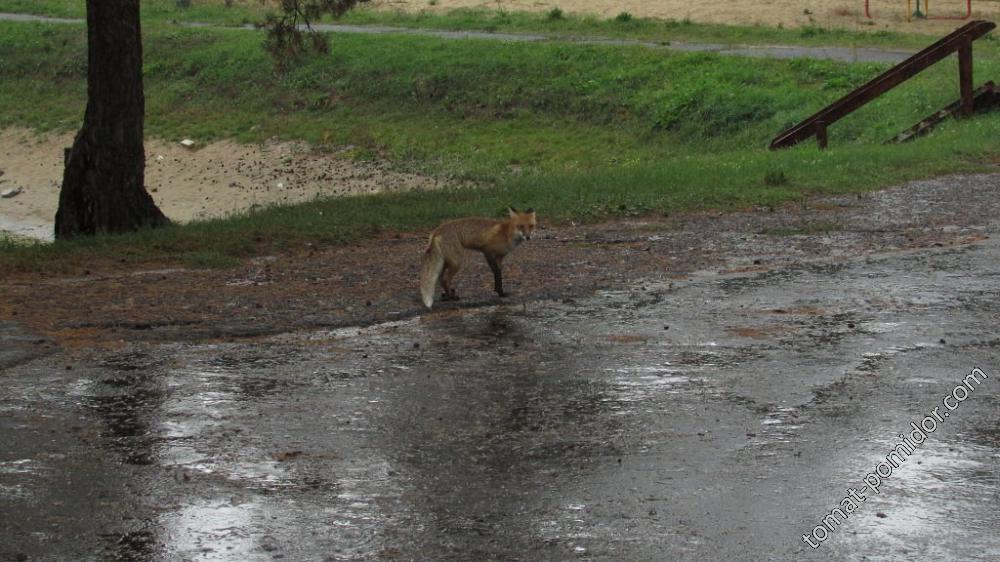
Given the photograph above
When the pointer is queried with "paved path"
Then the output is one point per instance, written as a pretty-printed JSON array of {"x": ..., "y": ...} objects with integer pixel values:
[
  {"x": 718, "y": 417},
  {"x": 846, "y": 54}
]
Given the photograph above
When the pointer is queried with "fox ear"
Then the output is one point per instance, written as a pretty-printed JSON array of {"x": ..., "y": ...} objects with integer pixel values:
[{"x": 512, "y": 211}]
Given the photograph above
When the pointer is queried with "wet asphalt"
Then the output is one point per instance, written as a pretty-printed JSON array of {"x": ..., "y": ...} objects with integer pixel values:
[{"x": 720, "y": 416}]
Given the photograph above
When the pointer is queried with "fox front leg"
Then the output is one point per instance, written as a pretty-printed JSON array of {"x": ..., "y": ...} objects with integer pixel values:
[{"x": 497, "y": 276}]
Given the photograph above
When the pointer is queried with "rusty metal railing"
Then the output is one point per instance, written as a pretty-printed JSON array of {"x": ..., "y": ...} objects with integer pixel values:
[{"x": 959, "y": 40}]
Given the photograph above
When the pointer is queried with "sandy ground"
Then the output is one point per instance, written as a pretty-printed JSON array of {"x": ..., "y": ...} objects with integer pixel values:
[
  {"x": 188, "y": 184},
  {"x": 886, "y": 14}
]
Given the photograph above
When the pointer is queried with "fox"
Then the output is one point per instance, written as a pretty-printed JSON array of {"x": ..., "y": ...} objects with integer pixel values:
[{"x": 494, "y": 238}]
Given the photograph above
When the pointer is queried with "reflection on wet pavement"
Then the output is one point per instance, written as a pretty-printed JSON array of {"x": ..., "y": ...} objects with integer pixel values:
[{"x": 718, "y": 417}]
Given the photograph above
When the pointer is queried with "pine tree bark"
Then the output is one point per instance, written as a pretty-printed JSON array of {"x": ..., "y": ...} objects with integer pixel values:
[{"x": 103, "y": 189}]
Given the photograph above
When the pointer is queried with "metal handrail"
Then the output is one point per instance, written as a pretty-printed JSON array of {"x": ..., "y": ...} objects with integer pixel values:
[
  {"x": 968, "y": 11},
  {"x": 959, "y": 40}
]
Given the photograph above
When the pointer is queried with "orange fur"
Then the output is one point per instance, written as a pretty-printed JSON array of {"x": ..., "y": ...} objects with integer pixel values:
[{"x": 447, "y": 243}]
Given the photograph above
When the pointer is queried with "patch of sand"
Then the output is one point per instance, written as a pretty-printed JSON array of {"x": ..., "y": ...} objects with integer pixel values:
[
  {"x": 189, "y": 184},
  {"x": 886, "y": 14}
]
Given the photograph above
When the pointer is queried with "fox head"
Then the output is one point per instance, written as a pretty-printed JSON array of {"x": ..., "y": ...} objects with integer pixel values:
[{"x": 523, "y": 223}]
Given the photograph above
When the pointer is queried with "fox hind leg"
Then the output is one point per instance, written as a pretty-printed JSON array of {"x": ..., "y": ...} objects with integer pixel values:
[{"x": 450, "y": 269}]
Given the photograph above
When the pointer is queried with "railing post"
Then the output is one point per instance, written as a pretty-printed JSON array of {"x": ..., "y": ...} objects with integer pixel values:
[
  {"x": 821, "y": 138},
  {"x": 959, "y": 40},
  {"x": 965, "y": 77}
]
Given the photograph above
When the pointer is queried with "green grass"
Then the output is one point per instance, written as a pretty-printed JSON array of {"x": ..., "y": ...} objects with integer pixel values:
[
  {"x": 53, "y": 8},
  {"x": 211, "y": 11},
  {"x": 696, "y": 183},
  {"x": 580, "y": 132},
  {"x": 454, "y": 106}
]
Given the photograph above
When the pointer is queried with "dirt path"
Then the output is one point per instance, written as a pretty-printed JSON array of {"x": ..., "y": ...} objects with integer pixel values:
[
  {"x": 376, "y": 280},
  {"x": 845, "y": 54},
  {"x": 196, "y": 183},
  {"x": 886, "y": 14}
]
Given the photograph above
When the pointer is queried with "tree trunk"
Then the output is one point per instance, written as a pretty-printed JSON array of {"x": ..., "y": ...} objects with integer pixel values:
[{"x": 103, "y": 189}]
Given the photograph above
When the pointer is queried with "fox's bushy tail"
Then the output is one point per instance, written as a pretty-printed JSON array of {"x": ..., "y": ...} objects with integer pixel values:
[{"x": 430, "y": 271}]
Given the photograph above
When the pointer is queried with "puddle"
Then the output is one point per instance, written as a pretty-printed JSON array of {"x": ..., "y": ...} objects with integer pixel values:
[{"x": 561, "y": 431}]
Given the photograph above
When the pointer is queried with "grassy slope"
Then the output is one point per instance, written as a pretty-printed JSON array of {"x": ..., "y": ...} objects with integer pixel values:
[{"x": 594, "y": 130}]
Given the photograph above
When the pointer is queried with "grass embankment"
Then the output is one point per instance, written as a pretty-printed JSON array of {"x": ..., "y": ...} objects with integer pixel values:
[{"x": 579, "y": 132}]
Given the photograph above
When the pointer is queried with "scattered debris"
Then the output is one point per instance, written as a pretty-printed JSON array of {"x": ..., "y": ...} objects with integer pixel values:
[
  {"x": 187, "y": 143},
  {"x": 286, "y": 455},
  {"x": 7, "y": 194}
]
